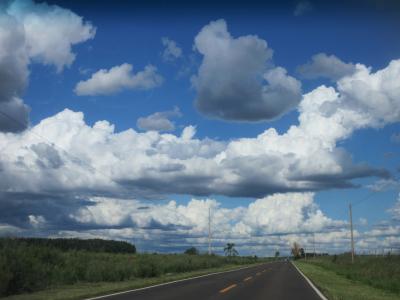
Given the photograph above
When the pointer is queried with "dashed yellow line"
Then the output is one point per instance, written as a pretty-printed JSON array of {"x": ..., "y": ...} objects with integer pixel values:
[
  {"x": 248, "y": 278},
  {"x": 227, "y": 288}
]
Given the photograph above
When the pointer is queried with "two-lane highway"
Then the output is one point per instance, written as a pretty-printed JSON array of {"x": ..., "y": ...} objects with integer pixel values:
[{"x": 277, "y": 280}]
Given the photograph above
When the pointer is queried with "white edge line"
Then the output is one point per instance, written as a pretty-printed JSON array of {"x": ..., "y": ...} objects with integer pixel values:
[
  {"x": 169, "y": 282},
  {"x": 310, "y": 283}
]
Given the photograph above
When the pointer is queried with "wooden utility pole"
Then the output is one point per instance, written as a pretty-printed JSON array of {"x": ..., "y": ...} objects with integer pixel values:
[
  {"x": 351, "y": 234},
  {"x": 209, "y": 231},
  {"x": 314, "y": 243}
]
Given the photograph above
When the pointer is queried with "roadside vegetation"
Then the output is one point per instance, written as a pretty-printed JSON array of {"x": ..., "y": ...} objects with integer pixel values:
[
  {"x": 29, "y": 265},
  {"x": 370, "y": 277}
]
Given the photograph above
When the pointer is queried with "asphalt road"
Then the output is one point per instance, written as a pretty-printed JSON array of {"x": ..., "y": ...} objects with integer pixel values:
[{"x": 276, "y": 281}]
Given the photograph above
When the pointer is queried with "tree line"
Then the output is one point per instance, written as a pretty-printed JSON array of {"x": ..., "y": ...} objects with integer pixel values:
[{"x": 66, "y": 244}]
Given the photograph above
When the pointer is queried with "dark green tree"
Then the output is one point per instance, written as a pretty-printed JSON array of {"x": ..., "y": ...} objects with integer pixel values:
[
  {"x": 302, "y": 253},
  {"x": 192, "y": 251},
  {"x": 230, "y": 250}
]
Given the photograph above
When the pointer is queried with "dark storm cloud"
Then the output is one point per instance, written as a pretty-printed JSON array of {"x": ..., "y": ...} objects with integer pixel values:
[
  {"x": 342, "y": 180},
  {"x": 13, "y": 75},
  {"x": 15, "y": 208},
  {"x": 180, "y": 184},
  {"x": 255, "y": 180}
]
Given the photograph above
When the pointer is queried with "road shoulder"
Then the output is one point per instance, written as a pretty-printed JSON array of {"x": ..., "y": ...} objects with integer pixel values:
[{"x": 317, "y": 291}]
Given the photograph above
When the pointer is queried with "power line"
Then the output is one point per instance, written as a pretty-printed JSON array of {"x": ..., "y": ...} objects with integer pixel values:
[{"x": 366, "y": 197}]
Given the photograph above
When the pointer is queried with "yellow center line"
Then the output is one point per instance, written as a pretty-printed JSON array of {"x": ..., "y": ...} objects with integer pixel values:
[
  {"x": 248, "y": 278},
  {"x": 227, "y": 288},
  {"x": 258, "y": 273}
]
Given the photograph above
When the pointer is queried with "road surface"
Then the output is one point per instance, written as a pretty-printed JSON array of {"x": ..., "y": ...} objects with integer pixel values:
[{"x": 276, "y": 281}]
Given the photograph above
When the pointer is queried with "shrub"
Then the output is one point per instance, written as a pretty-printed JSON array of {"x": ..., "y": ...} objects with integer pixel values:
[{"x": 192, "y": 251}]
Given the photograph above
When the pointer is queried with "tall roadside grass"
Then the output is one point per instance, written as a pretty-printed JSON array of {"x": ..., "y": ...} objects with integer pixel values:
[
  {"x": 27, "y": 267},
  {"x": 381, "y": 272}
]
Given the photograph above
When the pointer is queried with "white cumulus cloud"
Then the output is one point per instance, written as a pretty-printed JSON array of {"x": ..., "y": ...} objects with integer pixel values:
[
  {"x": 395, "y": 210},
  {"x": 37, "y": 221},
  {"x": 278, "y": 218},
  {"x": 148, "y": 164},
  {"x": 118, "y": 78},
  {"x": 31, "y": 32},
  {"x": 328, "y": 66},
  {"x": 50, "y": 31},
  {"x": 302, "y": 8},
  {"x": 159, "y": 121},
  {"x": 171, "y": 51}
]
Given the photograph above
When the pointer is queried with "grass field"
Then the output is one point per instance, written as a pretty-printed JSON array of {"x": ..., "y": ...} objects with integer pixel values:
[
  {"x": 86, "y": 290},
  {"x": 27, "y": 267},
  {"x": 370, "y": 278}
]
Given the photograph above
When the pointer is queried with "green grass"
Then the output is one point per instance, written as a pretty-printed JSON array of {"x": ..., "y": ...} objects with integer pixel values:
[
  {"x": 27, "y": 267},
  {"x": 340, "y": 281},
  {"x": 382, "y": 272},
  {"x": 86, "y": 290}
]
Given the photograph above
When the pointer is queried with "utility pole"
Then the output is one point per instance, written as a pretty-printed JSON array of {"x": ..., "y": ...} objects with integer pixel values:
[
  {"x": 351, "y": 234},
  {"x": 314, "y": 243},
  {"x": 209, "y": 230}
]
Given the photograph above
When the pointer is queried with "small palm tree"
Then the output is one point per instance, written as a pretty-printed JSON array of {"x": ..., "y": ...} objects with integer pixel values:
[{"x": 230, "y": 250}]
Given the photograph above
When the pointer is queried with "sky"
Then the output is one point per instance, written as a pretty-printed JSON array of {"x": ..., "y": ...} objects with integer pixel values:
[{"x": 134, "y": 121}]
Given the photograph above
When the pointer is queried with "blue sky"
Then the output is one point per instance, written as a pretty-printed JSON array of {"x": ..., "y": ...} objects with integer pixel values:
[{"x": 367, "y": 156}]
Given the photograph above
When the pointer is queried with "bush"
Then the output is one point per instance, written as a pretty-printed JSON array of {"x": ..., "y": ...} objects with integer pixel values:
[{"x": 192, "y": 251}]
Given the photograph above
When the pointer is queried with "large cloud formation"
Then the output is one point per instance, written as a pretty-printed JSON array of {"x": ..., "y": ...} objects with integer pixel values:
[
  {"x": 236, "y": 80},
  {"x": 262, "y": 227},
  {"x": 63, "y": 176},
  {"x": 82, "y": 171},
  {"x": 33, "y": 32},
  {"x": 279, "y": 217},
  {"x": 149, "y": 164}
]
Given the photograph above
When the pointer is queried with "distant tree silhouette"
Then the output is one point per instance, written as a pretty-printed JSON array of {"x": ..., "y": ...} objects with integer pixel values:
[
  {"x": 93, "y": 245},
  {"x": 296, "y": 252},
  {"x": 302, "y": 253},
  {"x": 192, "y": 251},
  {"x": 277, "y": 253},
  {"x": 230, "y": 250}
]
